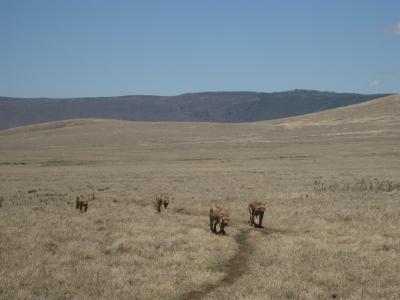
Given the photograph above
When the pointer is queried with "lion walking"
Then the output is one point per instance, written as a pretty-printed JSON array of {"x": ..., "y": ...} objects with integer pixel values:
[
  {"x": 218, "y": 216},
  {"x": 82, "y": 202},
  {"x": 256, "y": 211},
  {"x": 161, "y": 200}
]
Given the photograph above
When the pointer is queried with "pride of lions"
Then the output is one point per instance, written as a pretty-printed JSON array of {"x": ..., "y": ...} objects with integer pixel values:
[{"x": 218, "y": 215}]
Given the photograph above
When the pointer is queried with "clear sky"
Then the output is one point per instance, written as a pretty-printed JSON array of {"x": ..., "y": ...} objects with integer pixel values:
[{"x": 58, "y": 48}]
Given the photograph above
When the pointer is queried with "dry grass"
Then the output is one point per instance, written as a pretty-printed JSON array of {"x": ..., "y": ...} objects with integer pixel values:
[{"x": 331, "y": 225}]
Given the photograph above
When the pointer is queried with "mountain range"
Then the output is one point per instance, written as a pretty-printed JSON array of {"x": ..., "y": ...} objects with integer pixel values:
[{"x": 223, "y": 107}]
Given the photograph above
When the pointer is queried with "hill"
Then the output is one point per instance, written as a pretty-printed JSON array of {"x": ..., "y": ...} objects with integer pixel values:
[
  {"x": 381, "y": 110},
  {"x": 231, "y": 107},
  {"x": 330, "y": 181}
]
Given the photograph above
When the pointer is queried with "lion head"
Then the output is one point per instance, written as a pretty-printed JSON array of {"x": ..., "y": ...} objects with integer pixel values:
[
  {"x": 225, "y": 218},
  {"x": 260, "y": 207}
]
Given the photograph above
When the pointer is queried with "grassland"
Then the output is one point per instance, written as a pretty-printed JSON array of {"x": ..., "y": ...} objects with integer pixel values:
[{"x": 331, "y": 181}]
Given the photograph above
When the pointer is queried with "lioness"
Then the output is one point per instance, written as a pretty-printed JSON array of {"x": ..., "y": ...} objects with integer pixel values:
[
  {"x": 218, "y": 216},
  {"x": 256, "y": 210},
  {"x": 82, "y": 201},
  {"x": 162, "y": 199}
]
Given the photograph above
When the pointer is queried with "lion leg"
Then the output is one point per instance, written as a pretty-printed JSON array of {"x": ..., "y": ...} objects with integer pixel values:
[
  {"x": 252, "y": 217},
  {"x": 256, "y": 219},
  {"x": 86, "y": 206},
  {"x": 222, "y": 230},
  {"x": 260, "y": 218},
  {"x": 215, "y": 226}
]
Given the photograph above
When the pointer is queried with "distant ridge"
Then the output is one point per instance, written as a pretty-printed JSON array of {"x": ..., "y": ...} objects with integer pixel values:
[{"x": 224, "y": 107}]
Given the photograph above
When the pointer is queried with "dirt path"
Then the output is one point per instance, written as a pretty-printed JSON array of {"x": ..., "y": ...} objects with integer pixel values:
[
  {"x": 237, "y": 265},
  {"x": 234, "y": 268}
]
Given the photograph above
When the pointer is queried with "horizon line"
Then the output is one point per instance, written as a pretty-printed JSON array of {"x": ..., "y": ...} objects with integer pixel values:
[{"x": 200, "y": 92}]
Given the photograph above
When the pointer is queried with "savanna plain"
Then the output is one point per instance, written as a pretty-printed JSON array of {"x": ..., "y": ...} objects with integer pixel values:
[{"x": 330, "y": 181}]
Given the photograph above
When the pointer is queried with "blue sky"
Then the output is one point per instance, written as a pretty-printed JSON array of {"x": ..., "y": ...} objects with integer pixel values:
[{"x": 75, "y": 48}]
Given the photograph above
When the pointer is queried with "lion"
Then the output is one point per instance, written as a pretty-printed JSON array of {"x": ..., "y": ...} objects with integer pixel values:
[
  {"x": 220, "y": 216},
  {"x": 162, "y": 200},
  {"x": 256, "y": 210},
  {"x": 82, "y": 201}
]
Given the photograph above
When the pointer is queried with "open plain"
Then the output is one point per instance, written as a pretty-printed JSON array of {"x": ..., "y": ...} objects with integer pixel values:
[{"x": 330, "y": 180}]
